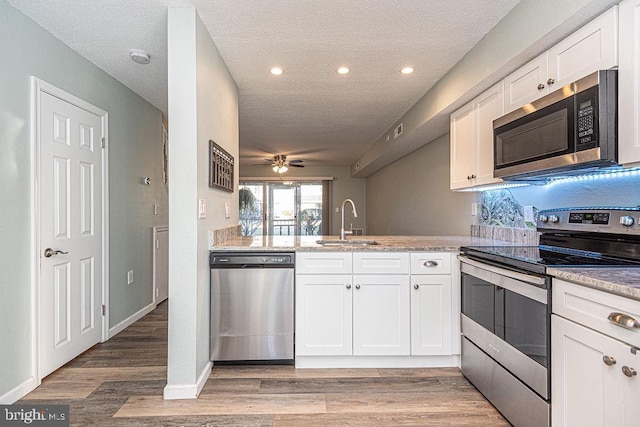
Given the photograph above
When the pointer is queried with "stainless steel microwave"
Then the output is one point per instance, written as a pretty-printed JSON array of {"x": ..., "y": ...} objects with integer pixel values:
[{"x": 569, "y": 130}]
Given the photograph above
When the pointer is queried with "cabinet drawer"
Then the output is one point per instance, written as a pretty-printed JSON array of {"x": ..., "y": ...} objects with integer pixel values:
[
  {"x": 324, "y": 263},
  {"x": 591, "y": 307},
  {"x": 431, "y": 263},
  {"x": 381, "y": 263}
]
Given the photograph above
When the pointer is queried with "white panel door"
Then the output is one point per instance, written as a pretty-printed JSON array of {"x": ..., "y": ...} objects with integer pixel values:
[
  {"x": 381, "y": 315},
  {"x": 629, "y": 84},
  {"x": 431, "y": 315},
  {"x": 526, "y": 84},
  {"x": 486, "y": 108},
  {"x": 323, "y": 315},
  {"x": 591, "y": 48},
  {"x": 70, "y": 210}
]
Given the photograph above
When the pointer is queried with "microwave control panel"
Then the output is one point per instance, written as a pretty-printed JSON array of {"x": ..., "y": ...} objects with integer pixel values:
[{"x": 586, "y": 120}]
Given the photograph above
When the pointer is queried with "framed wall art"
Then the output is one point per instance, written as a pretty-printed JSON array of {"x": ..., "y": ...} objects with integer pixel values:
[{"x": 221, "y": 166}]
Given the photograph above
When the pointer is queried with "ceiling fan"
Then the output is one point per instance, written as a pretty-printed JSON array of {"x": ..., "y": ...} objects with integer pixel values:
[{"x": 280, "y": 164}]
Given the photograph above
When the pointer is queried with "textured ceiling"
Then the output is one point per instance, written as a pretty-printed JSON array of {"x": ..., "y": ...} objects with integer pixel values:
[{"x": 309, "y": 112}]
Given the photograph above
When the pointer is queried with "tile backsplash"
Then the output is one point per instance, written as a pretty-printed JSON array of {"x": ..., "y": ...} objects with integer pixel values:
[
  {"x": 222, "y": 235},
  {"x": 501, "y": 209}
]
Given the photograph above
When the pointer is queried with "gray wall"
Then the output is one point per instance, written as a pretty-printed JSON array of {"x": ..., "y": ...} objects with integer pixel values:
[
  {"x": 135, "y": 149},
  {"x": 342, "y": 187},
  {"x": 412, "y": 196}
]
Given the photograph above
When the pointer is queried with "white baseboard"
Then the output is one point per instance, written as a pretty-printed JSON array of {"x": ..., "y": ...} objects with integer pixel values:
[
  {"x": 19, "y": 392},
  {"x": 131, "y": 320},
  {"x": 188, "y": 391},
  {"x": 452, "y": 361}
]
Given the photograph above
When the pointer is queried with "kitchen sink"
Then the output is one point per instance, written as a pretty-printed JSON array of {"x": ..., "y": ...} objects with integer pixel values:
[{"x": 348, "y": 242}]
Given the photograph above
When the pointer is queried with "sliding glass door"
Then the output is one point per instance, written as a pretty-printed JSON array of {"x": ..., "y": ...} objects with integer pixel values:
[{"x": 282, "y": 208}]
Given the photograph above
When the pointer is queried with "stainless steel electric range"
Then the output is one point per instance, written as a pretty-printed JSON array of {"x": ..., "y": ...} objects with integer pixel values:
[{"x": 506, "y": 303}]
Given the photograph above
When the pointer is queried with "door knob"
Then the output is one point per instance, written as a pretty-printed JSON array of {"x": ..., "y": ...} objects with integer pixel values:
[
  {"x": 357, "y": 286},
  {"x": 48, "y": 253},
  {"x": 416, "y": 286},
  {"x": 348, "y": 286}
]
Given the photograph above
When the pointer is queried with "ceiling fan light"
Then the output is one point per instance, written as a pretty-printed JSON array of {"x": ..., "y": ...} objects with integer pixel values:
[{"x": 280, "y": 168}]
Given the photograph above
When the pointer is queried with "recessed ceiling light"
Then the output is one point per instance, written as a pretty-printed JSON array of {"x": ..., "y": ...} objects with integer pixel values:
[
  {"x": 277, "y": 71},
  {"x": 407, "y": 70},
  {"x": 343, "y": 70}
]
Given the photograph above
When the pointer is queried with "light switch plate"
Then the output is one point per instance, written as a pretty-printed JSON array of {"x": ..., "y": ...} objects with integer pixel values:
[
  {"x": 129, "y": 277},
  {"x": 227, "y": 210},
  {"x": 202, "y": 208},
  {"x": 474, "y": 209}
]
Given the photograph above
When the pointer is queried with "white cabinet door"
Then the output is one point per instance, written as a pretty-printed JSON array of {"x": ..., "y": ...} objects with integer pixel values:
[
  {"x": 381, "y": 315},
  {"x": 486, "y": 108},
  {"x": 431, "y": 332},
  {"x": 463, "y": 154},
  {"x": 586, "y": 391},
  {"x": 526, "y": 84},
  {"x": 323, "y": 315},
  {"x": 629, "y": 84},
  {"x": 591, "y": 48}
]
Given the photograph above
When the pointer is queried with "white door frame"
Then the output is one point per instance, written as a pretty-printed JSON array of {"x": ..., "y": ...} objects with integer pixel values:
[{"x": 37, "y": 88}]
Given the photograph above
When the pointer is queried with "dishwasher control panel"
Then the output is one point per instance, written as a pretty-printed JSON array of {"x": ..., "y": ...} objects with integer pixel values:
[{"x": 250, "y": 259}]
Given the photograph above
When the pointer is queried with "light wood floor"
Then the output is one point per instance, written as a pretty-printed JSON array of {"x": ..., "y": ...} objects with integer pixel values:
[{"x": 120, "y": 383}]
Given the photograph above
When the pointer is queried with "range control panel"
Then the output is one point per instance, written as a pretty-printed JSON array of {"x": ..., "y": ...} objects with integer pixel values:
[{"x": 619, "y": 220}]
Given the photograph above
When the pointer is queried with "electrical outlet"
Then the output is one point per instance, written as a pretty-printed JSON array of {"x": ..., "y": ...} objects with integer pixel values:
[{"x": 129, "y": 277}]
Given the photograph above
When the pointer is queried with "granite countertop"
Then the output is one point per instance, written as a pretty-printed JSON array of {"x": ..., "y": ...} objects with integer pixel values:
[
  {"x": 623, "y": 281},
  {"x": 387, "y": 243}
]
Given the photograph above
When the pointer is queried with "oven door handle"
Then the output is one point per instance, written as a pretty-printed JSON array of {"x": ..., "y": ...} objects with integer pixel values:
[{"x": 506, "y": 279}]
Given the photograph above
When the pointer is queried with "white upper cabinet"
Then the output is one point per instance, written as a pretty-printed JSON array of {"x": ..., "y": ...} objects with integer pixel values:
[
  {"x": 526, "y": 84},
  {"x": 591, "y": 48},
  {"x": 472, "y": 139},
  {"x": 629, "y": 84},
  {"x": 486, "y": 108},
  {"x": 462, "y": 157}
]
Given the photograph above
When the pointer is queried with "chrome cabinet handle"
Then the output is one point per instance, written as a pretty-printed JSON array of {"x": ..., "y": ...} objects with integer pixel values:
[
  {"x": 416, "y": 286},
  {"x": 48, "y": 253},
  {"x": 623, "y": 320},
  {"x": 348, "y": 286},
  {"x": 540, "y": 86},
  {"x": 550, "y": 81},
  {"x": 430, "y": 263},
  {"x": 609, "y": 361},
  {"x": 630, "y": 372},
  {"x": 357, "y": 286}
]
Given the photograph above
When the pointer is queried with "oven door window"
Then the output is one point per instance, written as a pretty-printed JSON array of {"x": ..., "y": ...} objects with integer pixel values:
[
  {"x": 524, "y": 325},
  {"x": 478, "y": 301}
]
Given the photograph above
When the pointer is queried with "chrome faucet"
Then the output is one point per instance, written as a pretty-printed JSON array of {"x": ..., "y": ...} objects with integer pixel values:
[{"x": 343, "y": 233}]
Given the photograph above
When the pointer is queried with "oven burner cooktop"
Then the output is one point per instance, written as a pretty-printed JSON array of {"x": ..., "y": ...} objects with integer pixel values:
[
  {"x": 574, "y": 237},
  {"x": 538, "y": 258}
]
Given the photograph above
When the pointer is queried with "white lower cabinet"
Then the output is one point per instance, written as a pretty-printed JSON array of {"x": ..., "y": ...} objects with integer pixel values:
[
  {"x": 594, "y": 374},
  {"x": 381, "y": 319},
  {"x": 394, "y": 309},
  {"x": 589, "y": 387},
  {"x": 323, "y": 314},
  {"x": 431, "y": 332}
]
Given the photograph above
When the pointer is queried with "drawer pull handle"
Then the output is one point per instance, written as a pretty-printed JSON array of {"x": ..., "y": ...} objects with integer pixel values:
[
  {"x": 430, "y": 263},
  {"x": 630, "y": 372},
  {"x": 623, "y": 320},
  {"x": 609, "y": 361}
]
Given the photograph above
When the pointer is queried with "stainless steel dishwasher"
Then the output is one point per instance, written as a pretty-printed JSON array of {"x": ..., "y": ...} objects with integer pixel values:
[{"x": 252, "y": 307}]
